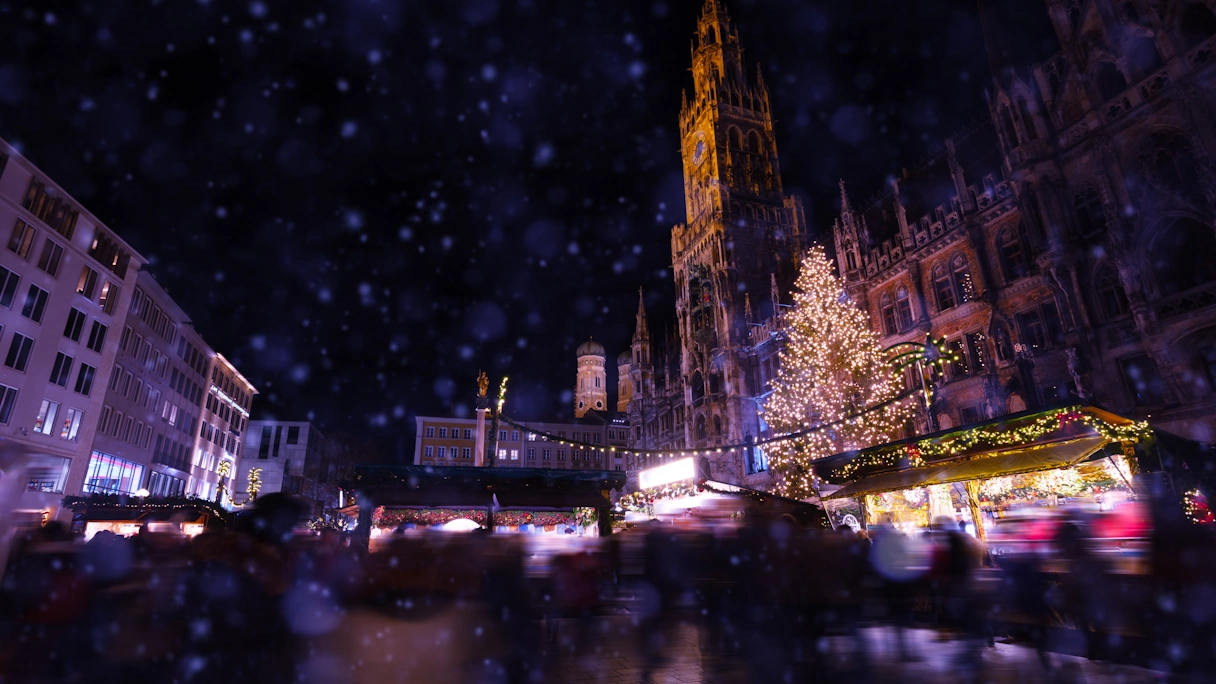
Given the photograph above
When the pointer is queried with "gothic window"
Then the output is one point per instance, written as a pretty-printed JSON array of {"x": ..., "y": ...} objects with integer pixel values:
[
  {"x": 754, "y": 144},
  {"x": 852, "y": 260},
  {"x": 1197, "y": 24},
  {"x": 1110, "y": 80},
  {"x": 943, "y": 288},
  {"x": 597, "y": 382},
  {"x": 1175, "y": 166},
  {"x": 1144, "y": 56},
  {"x": 963, "y": 284},
  {"x": 1090, "y": 213},
  {"x": 700, "y": 428},
  {"x": 714, "y": 383},
  {"x": 698, "y": 386},
  {"x": 1011, "y": 132},
  {"x": 717, "y": 426},
  {"x": 888, "y": 315},
  {"x": 1111, "y": 298},
  {"x": 1012, "y": 255},
  {"x": 735, "y": 137},
  {"x": 1185, "y": 256},
  {"x": 1027, "y": 120},
  {"x": 1004, "y": 346},
  {"x": 903, "y": 308}
]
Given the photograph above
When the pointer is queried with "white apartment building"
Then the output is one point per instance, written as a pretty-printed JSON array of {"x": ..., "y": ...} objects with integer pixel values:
[
  {"x": 66, "y": 281},
  {"x": 290, "y": 456}
]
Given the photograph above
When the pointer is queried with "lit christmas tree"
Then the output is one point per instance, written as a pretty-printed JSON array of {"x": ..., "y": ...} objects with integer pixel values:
[{"x": 832, "y": 369}]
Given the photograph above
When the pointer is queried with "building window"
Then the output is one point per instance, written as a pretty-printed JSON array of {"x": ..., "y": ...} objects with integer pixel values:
[
  {"x": 8, "y": 399},
  {"x": 1091, "y": 216},
  {"x": 515, "y": 435},
  {"x": 45, "y": 423},
  {"x": 52, "y": 255},
  {"x": 22, "y": 239},
  {"x": 428, "y": 451},
  {"x": 502, "y": 454},
  {"x": 1030, "y": 329},
  {"x": 8, "y": 287},
  {"x": 465, "y": 452},
  {"x": 1012, "y": 254},
  {"x": 943, "y": 287},
  {"x": 109, "y": 297},
  {"x": 62, "y": 370},
  {"x": 71, "y": 424},
  {"x": 977, "y": 350},
  {"x": 19, "y": 352},
  {"x": 887, "y": 306},
  {"x": 75, "y": 325},
  {"x": 49, "y": 475},
  {"x": 468, "y": 433},
  {"x": 963, "y": 285},
  {"x": 84, "y": 379},
  {"x": 293, "y": 435},
  {"x": 561, "y": 454},
  {"x": 35, "y": 304},
  {"x": 109, "y": 474},
  {"x": 1143, "y": 380},
  {"x": 545, "y": 454},
  {"x": 87, "y": 285},
  {"x": 1111, "y": 297},
  {"x": 97, "y": 336},
  {"x": 430, "y": 431},
  {"x": 903, "y": 308},
  {"x": 971, "y": 414},
  {"x": 958, "y": 367},
  {"x": 531, "y": 454},
  {"x": 443, "y": 452},
  {"x": 443, "y": 433},
  {"x": 515, "y": 454}
]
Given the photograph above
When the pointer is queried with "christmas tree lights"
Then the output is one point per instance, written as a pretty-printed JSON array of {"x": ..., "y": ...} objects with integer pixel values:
[{"x": 832, "y": 371}]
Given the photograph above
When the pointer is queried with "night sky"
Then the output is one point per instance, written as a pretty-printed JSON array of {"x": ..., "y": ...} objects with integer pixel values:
[{"x": 363, "y": 203}]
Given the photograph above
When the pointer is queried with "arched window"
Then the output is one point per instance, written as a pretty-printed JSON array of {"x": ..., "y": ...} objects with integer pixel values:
[
  {"x": 597, "y": 381},
  {"x": 852, "y": 260},
  {"x": 1090, "y": 214},
  {"x": 1144, "y": 57},
  {"x": 1027, "y": 120},
  {"x": 1012, "y": 254},
  {"x": 717, "y": 426},
  {"x": 715, "y": 383},
  {"x": 700, "y": 428},
  {"x": 736, "y": 138},
  {"x": 1197, "y": 24},
  {"x": 1175, "y": 166},
  {"x": 1185, "y": 256},
  {"x": 943, "y": 288},
  {"x": 887, "y": 305},
  {"x": 962, "y": 279},
  {"x": 753, "y": 143},
  {"x": 1111, "y": 297},
  {"x": 903, "y": 308},
  {"x": 1110, "y": 80},
  {"x": 698, "y": 386},
  {"x": 1011, "y": 132}
]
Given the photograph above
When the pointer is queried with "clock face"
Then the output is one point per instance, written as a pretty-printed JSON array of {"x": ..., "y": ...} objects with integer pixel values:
[{"x": 698, "y": 154}]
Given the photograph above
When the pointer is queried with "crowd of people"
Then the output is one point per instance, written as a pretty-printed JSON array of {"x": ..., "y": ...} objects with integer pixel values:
[{"x": 769, "y": 600}]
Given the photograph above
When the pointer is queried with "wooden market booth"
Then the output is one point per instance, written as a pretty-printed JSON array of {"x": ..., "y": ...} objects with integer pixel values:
[
  {"x": 386, "y": 497},
  {"x": 1026, "y": 442}
]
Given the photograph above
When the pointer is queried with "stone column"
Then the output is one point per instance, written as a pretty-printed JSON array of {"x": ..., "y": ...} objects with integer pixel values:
[{"x": 918, "y": 291}]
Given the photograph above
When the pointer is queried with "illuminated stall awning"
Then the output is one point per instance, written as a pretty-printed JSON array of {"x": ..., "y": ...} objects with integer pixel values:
[
  {"x": 1020, "y": 443},
  {"x": 1013, "y": 462}
]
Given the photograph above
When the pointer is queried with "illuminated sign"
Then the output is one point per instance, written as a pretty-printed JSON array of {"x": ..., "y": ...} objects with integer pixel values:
[
  {"x": 229, "y": 400},
  {"x": 683, "y": 469}
]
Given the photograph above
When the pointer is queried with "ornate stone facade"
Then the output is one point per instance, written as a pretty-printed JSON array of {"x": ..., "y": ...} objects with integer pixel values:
[
  {"x": 1065, "y": 246},
  {"x": 740, "y": 246}
]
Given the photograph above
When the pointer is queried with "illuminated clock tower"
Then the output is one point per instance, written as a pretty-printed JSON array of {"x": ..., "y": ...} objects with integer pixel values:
[{"x": 742, "y": 231}]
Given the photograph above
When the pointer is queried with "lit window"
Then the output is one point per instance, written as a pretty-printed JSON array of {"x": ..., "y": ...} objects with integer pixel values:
[
  {"x": 515, "y": 454},
  {"x": 45, "y": 423},
  {"x": 109, "y": 474},
  {"x": 87, "y": 285},
  {"x": 71, "y": 424},
  {"x": 22, "y": 239}
]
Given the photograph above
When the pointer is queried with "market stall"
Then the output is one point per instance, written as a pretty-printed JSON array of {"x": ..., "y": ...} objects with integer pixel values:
[
  {"x": 679, "y": 491},
  {"x": 1031, "y": 457},
  {"x": 526, "y": 500}
]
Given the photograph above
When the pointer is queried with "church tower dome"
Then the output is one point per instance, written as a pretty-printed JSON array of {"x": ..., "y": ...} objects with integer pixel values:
[{"x": 591, "y": 382}]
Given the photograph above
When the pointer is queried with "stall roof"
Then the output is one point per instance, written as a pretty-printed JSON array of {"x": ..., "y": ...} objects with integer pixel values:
[
  {"x": 1012, "y": 462},
  {"x": 477, "y": 487},
  {"x": 1019, "y": 443}
]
